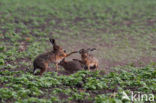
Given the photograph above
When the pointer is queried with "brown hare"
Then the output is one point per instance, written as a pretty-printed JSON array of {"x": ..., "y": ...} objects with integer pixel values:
[
  {"x": 89, "y": 60},
  {"x": 84, "y": 67},
  {"x": 72, "y": 66},
  {"x": 55, "y": 56}
]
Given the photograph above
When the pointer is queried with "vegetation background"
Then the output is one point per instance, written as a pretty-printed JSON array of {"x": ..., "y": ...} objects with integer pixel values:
[{"x": 123, "y": 31}]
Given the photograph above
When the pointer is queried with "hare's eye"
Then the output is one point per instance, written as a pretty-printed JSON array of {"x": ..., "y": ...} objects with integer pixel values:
[{"x": 65, "y": 51}]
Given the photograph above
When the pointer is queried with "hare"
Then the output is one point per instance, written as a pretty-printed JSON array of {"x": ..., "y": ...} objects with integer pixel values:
[
  {"x": 55, "y": 56},
  {"x": 88, "y": 60},
  {"x": 71, "y": 66},
  {"x": 84, "y": 67}
]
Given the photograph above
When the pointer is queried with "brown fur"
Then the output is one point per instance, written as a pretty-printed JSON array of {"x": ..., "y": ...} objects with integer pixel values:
[
  {"x": 55, "y": 56},
  {"x": 84, "y": 67},
  {"x": 71, "y": 66},
  {"x": 88, "y": 60}
]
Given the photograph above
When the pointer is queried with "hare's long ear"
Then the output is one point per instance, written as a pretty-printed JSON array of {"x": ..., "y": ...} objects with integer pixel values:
[
  {"x": 80, "y": 51},
  {"x": 92, "y": 49},
  {"x": 88, "y": 49},
  {"x": 52, "y": 41}
]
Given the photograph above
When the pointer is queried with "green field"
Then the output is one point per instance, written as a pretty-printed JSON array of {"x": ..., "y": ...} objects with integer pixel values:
[{"x": 122, "y": 31}]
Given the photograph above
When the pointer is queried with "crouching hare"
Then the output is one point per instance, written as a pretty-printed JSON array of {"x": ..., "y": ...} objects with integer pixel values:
[{"x": 71, "y": 66}]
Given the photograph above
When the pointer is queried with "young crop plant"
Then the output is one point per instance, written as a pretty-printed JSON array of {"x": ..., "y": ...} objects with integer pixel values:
[{"x": 122, "y": 31}]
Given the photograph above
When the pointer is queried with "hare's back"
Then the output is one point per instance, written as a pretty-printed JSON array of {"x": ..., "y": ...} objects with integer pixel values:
[
  {"x": 45, "y": 57},
  {"x": 74, "y": 66}
]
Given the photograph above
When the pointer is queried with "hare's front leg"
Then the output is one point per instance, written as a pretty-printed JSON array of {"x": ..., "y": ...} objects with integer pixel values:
[
  {"x": 97, "y": 67},
  {"x": 88, "y": 67},
  {"x": 56, "y": 66}
]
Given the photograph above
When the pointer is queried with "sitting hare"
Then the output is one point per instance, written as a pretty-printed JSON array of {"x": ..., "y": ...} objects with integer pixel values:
[
  {"x": 84, "y": 67},
  {"x": 88, "y": 60},
  {"x": 55, "y": 56}
]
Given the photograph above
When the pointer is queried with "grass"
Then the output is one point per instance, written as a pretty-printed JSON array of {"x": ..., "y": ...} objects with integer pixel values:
[
  {"x": 122, "y": 31},
  {"x": 83, "y": 86}
]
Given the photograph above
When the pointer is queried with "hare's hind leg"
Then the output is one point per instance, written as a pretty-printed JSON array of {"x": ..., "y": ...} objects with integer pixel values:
[{"x": 43, "y": 69}]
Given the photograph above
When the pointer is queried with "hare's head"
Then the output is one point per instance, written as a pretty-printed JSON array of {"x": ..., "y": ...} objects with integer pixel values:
[
  {"x": 63, "y": 62},
  {"x": 56, "y": 47},
  {"x": 84, "y": 52}
]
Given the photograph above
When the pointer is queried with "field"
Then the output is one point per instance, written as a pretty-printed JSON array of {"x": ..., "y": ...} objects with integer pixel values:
[{"x": 122, "y": 31}]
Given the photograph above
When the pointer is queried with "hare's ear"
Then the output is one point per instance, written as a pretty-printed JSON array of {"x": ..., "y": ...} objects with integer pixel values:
[
  {"x": 88, "y": 49},
  {"x": 80, "y": 51},
  {"x": 52, "y": 41},
  {"x": 92, "y": 49}
]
